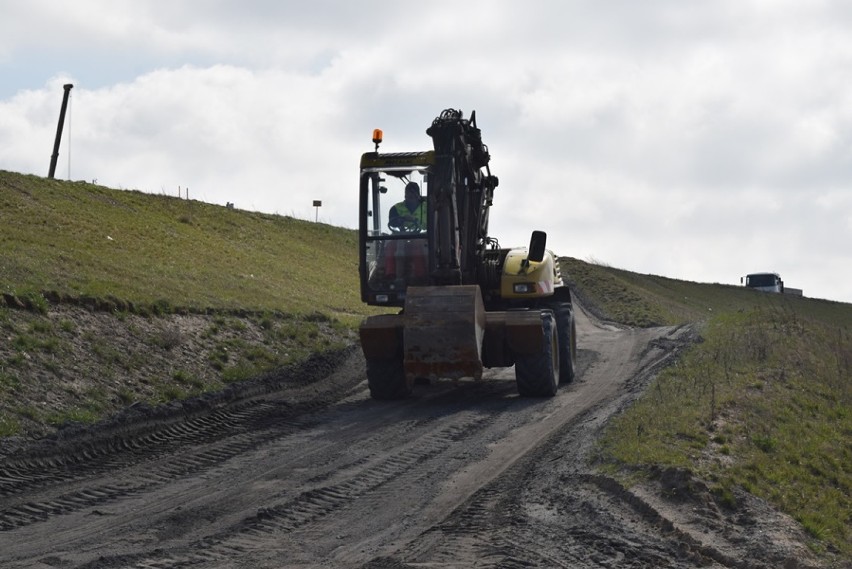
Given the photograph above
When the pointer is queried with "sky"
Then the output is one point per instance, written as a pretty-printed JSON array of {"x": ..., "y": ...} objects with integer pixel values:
[{"x": 695, "y": 140}]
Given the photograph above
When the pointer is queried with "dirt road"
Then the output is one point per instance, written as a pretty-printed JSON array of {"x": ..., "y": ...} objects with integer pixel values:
[{"x": 308, "y": 471}]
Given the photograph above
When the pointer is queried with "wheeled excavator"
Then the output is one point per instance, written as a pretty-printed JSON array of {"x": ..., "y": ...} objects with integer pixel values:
[{"x": 465, "y": 303}]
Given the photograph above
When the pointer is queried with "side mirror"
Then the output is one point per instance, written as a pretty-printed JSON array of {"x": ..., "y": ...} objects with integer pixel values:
[{"x": 538, "y": 241}]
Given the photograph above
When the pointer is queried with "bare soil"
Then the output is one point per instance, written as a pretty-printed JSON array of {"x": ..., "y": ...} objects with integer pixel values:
[{"x": 303, "y": 469}]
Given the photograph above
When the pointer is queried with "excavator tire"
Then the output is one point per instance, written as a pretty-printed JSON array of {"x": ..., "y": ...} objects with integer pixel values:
[
  {"x": 537, "y": 375},
  {"x": 386, "y": 378},
  {"x": 566, "y": 330}
]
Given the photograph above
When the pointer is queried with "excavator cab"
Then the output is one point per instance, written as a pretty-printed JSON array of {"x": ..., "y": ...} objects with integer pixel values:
[{"x": 394, "y": 226}]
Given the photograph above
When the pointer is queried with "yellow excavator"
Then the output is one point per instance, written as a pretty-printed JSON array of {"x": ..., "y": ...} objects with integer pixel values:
[{"x": 466, "y": 304}]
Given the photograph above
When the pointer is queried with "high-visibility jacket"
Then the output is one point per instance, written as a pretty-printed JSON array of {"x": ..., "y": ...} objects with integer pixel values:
[{"x": 400, "y": 210}]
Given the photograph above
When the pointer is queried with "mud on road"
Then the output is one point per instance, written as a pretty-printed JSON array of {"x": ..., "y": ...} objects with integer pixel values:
[{"x": 305, "y": 470}]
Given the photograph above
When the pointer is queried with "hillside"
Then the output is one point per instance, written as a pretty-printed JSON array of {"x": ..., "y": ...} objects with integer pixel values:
[
  {"x": 141, "y": 299},
  {"x": 760, "y": 404},
  {"x": 79, "y": 239},
  {"x": 113, "y": 299},
  {"x": 650, "y": 300}
]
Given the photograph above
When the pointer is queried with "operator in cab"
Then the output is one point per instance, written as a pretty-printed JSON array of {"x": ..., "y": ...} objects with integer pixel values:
[
  {"x": 407, "y": 258},
  {"x": 409, "y": 215}
]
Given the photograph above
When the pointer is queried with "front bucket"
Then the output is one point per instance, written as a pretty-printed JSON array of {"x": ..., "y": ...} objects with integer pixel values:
[{"x": 443, "y": 331}]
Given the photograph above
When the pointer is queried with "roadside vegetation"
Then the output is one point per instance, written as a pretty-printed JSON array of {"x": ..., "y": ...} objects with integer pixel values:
[{"x": 763, "y": 403}]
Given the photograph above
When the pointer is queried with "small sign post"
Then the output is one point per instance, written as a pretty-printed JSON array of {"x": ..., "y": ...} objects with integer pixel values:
[{"x": 317, "y": 205}]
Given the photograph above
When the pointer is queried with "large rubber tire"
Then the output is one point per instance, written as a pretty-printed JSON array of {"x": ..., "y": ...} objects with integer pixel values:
[
  {"x": 567, "y": 331},
  {"x": 537, "y": 375},
  {"x": 386, "y": 378}
]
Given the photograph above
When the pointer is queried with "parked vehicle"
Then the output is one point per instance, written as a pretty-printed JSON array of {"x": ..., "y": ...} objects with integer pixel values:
[{"x": 769, "y": 282}]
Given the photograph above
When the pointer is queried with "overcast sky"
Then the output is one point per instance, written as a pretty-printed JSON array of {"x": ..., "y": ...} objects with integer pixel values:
[{"x": 694, "y": 140}]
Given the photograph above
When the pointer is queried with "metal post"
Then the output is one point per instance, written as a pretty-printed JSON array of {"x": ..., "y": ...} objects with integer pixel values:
[
  {"x": 55, "y": 156},
  {"x": 317, "y": 205}
]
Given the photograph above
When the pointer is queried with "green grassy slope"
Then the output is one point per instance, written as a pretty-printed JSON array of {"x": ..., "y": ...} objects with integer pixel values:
[
  {"x": 763, "y": 403},
  {"x": 81, "y": 239},
  {"x": 649, "y": 300}
]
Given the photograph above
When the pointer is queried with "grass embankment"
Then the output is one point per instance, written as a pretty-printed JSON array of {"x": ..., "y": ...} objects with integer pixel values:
[
  {"x": 764, "y": 403},
  {"x": 82, "y": 239},
  {"x": 144, "y": 298}
]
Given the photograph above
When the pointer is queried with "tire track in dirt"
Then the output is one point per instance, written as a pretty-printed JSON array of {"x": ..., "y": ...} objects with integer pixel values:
[
  {"x": 551, "y": 509},
  {"x": 546, "y": 509},
  {"x": 147, "y": 452},
  {"x": 304, "y": 509},
  {"x": 373, "y": 446}
]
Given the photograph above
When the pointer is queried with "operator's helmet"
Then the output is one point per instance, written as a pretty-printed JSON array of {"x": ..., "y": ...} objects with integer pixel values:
[{"x": 412, "y": 190}]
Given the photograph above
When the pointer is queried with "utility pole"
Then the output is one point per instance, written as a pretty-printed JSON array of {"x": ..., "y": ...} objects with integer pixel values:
[{"x": 55, "y": 156}]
